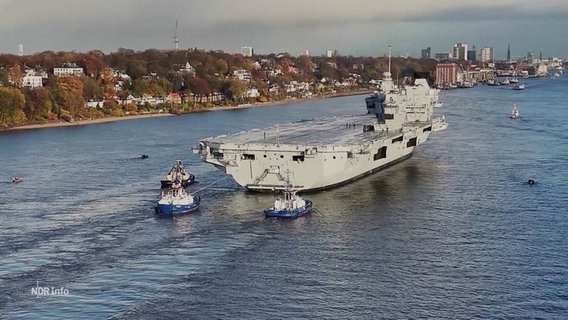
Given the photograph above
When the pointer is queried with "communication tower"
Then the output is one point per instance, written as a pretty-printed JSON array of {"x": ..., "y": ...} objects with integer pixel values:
[{"x": 176, "y": 37}]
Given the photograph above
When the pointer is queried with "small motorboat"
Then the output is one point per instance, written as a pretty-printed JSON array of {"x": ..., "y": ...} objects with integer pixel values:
[
  {"x": 176, "y": 201},
  {"x": 519, "y": 86},
  {"x": 17, "y": 179},
  {"x": 177, "y": 173},
  {"x": 514, "y": 113},
  {"x": 144, "y": 156},
  {"x": 290, "y": 206}
]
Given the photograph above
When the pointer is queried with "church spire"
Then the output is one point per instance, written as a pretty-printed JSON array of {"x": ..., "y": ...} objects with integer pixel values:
[{"x": 509, "y": 52}]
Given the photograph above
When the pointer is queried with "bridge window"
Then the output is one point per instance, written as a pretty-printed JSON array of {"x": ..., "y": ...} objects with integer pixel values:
[
  {"x": 389, "y": 116},
  {"x": 297, "y": 158},
  {"x": 247, "y": 156}
]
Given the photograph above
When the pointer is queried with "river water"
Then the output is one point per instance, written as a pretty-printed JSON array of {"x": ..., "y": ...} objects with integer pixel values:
[{"x": 455, "y": 232}]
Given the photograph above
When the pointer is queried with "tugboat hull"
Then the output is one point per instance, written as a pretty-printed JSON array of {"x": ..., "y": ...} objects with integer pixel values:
[
  {"x": 175, "y": 210},
  {"x": 290, "y": 213}
]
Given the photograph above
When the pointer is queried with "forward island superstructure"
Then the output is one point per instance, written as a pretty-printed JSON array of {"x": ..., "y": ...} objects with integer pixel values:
[{"x": 323, "y": 153}]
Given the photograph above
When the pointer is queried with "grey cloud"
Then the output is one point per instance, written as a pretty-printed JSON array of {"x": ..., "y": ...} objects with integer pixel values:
[{"x": 269, "y": 25}]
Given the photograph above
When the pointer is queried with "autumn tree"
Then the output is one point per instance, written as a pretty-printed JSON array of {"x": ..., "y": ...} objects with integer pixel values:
[
  {"x": 199, "y": 87},
  {"x": 11, "y": 107},
  {"x": 38, "y": 104},
  {"x": 234, "y": 90},
  {"x": 3, "y": 77},
  {"x": 70, "y": 94},
  {"x": 221, "y": 66},
  {"x": 15, "y": 75},
  {"x": 108, "y": 81},
  {"x": 93, "y": 64},
  {"x": 92, "y": 90}
]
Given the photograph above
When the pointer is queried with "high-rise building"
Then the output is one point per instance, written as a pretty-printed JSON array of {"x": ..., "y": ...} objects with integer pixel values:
[
  {"x": 472, "y": 54},
  {"x": 247, "y": 51},
  {"x": 460, "y": 51},
  {"x": 304, "y": 52},
  {"x": 426, "y": 53},
  {"x": 486, "y": 55},
  {"x": 442, "y": 56},
  {"x": 330, "y": 53},
  {"x": 21, "y": 50},
  {"x": 509, "y": 52}
]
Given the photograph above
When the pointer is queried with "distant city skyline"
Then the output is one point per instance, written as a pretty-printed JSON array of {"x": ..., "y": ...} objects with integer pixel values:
[{"x": 291, "y": 26}]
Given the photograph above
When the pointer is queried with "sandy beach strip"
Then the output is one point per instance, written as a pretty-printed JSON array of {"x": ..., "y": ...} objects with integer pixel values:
[
  {"x": 86, "y": 122},
  {"x": 154, "y": 115}
]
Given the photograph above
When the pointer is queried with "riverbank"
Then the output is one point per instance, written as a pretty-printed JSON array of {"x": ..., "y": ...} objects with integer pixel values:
[
  {"x": 153, "y": 115},
  {"x": 85, "y": 122}
]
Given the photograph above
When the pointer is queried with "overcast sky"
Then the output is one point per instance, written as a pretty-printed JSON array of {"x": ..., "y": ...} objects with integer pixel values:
[{"x": 356, "y": 27}]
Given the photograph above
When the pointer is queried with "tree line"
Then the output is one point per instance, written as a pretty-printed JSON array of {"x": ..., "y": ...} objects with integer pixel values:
[{"x": 157, "y": 73}]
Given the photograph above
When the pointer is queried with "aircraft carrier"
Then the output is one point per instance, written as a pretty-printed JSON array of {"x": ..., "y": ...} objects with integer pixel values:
[{"x": 327, "y": 152}]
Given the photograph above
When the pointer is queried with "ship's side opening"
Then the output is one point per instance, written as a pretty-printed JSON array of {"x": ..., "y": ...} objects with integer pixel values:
[
  {"x": 398, "y": 139},
  {"x": 298, "y": 158},
  {"x": 411, "y": 142},
  {"x": 381, "y": 154},
  {"x": 427, "y": 129}
]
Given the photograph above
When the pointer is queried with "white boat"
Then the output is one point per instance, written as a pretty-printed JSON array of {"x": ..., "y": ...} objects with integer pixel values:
[
  {"x": 514, "y": 113},
  {"x": 177, "y": 173},
  {"x": 327, "y": 152},
  {"x": 290, "y": 206},
  {"x": 519, "y": 86},
  {"x": 176, "y": 201}
]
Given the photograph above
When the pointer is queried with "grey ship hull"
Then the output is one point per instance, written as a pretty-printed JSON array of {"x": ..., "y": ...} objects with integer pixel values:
[{"x": 262, "y": 160}]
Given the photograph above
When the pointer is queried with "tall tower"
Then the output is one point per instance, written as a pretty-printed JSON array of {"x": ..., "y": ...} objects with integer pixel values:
[
  {"x": 509, "y": 52},
  {"x": 21, "y": 50},
  {"x": 176, "y": 38}
]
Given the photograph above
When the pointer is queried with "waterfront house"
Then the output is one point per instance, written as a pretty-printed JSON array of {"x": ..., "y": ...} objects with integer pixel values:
[{"x": 68, "y": 69}]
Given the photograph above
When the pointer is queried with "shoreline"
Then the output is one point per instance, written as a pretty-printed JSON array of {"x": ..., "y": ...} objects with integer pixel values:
[{"x": 156, "y": 115}]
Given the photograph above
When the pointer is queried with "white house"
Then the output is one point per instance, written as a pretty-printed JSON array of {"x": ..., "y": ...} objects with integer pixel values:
[
  {"x": 188, "y": 68},
  {"x": 31, "y": 79},
  {"x": 242, "y": 75},
  {"x": 68, "y": 69},
  {"x": 252, "y": 93}
]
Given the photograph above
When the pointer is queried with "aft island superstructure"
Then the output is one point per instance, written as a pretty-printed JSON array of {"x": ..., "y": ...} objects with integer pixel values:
[{"x": 323, "y": 153}]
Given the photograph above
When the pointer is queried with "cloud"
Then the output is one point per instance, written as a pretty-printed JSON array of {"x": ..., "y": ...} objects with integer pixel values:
[{"x": 271, "y": 24}]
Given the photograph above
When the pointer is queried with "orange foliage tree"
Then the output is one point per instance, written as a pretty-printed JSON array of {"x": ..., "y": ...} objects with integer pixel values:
[{"x": 69, "y": 95}]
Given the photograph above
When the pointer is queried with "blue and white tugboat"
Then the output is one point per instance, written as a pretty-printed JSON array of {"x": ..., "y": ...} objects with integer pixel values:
[
  {"x": 290, "y": 206},
  {"x": 177, "y": 201},
  {"x": 177, "y": 173}
]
